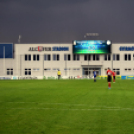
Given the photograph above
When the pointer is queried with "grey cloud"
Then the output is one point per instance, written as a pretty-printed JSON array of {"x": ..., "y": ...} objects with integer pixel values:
[{"x": 65, "y": 20}]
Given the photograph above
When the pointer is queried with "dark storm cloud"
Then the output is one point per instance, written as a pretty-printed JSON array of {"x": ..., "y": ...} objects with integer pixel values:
[{"x": 65, "y": 20}]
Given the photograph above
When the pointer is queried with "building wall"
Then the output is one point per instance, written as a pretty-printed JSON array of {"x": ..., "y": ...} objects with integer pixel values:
[{"x": 19, "y": 64}]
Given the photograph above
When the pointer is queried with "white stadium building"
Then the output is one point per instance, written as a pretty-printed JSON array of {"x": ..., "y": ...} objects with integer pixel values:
[{"x": 29, "y": 61}]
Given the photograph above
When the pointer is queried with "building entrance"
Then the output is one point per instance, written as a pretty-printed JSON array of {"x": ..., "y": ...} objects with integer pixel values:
[{"x": 88, "y": 72}]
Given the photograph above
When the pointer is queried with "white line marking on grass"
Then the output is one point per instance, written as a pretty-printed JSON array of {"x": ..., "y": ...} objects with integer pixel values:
[
  {"x": 62, "y": 104},
  {"x": 124, "y": 109}
]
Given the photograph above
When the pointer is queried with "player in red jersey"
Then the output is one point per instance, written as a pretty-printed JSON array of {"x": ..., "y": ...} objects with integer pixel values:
[
  {"x": 114, "y": 76},
  {"x": 109, "y": 74}
]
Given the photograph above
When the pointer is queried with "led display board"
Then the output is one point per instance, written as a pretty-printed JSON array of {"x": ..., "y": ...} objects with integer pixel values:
[{"x": 92, "y": 47}]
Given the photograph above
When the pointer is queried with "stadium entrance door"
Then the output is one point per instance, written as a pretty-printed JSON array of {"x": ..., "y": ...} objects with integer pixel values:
[{"x": 88, "y": 72}]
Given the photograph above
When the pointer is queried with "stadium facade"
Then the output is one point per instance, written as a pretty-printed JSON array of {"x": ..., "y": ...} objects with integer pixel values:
[{"x": 43, "y": 60}]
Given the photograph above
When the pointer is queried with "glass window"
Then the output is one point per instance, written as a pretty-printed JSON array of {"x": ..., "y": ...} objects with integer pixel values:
[
  {"x": 93, "y": 56},
  {"x": 97, "y": 57},
  {"x": 105, "y": 57},
  {"x": 113, "y": 56},
  {"x": 133, "y": 56},
  {"x": 25, "y": 57},
  {"x": 58, "y": 57},
  {"x": 11, "y": 72},
  {"x": 78, "y": 57},
  {"x": 25, "y": 72},
  {"x": 8, "y": 72},
  {"x": 54, "y": 57},
  {"x": 125, "y": 57},
  {"x": 49, "y": 57},
  {"x": 129, "y": 56},
  {"x": 85, "y": 57},
  {"x": 109, "y": 57},
  {"x": 69, "y": 57},
  {"x": 29, "y": 72},
  {"x": 45, "y": 57},
  {"x": 125, "y": 69},
  {"x": 89, "y": 57},
  {"x": 29, "y": 56},
  {"x": 38, "y": 57},
  {"x": 34, "y": 57},
  {"x": 74, "y": 57},
  {"x": 65, "y": 57},
  {"x": 118, "y": 72},
  {"x": 118, "y": 57}
]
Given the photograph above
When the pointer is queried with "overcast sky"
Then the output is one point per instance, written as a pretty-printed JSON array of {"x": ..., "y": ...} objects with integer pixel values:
[{"x": 61, "y": 21}]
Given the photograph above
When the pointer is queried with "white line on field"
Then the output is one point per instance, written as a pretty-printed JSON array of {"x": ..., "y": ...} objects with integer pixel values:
[
  {"x": 61, "y": 104},
  {"x": 130, "y": 109}
]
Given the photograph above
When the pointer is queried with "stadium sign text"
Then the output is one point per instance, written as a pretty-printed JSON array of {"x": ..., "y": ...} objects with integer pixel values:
[
  {"x": 40, "y": 48},
  {"x": 125, "y": 48}
]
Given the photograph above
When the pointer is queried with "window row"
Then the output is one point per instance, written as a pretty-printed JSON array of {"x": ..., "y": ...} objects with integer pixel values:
[{"x": 56, "y": 57}]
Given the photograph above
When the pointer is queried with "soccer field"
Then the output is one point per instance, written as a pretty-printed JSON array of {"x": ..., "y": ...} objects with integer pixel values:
[{"x": 66, "y": 107}]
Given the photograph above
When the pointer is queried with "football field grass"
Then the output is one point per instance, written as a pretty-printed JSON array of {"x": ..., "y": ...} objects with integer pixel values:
[{"x": 66, "y": 107}]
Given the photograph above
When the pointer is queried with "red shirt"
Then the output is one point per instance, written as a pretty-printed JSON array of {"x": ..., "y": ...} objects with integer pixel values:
[
  {"x": 114, "y": 73},
  {"x": 109, "y": 72}
]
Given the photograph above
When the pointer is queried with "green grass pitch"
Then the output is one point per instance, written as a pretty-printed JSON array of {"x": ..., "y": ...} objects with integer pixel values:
[{"x": 66, "y": 107}]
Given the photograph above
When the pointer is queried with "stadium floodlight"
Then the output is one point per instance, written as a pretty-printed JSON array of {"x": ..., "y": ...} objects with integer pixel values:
[
  {"x": 91, "y": 35},
  {"x": 108, "y": 42}
]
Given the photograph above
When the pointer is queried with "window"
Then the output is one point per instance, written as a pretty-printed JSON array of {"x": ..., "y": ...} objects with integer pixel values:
[
  {"x": 116, "y": 57},
  {"x": 125, "y": 69},
  {"x": 9, "y": 71},
  {"x": 76, "y": 69},
  {"x": 47, "y": 57},
  {"x": 117, "y": 71},
  {"x": 133, "y": 56},
  {"x": 36, "y": 57},
  {"x": 93, "y": 56},
  {"x": 67, "y": 57},
  {"x": 87, "y": 57},
  {"x": 113, "y": 56},
  {"x": 127, "y": 57},
  {"x": 97, "y": 57},
  {"x": 105, "y": 57},
  {"x": 129, "y": 69},
  {"x": 67, "y": 69},
  {"x": 36, "y": 69},
  {"x": 56, "y": 57},
  {"x": 27, "y": 57},
  {"x": 27, "y": 71},
  {"x": 109, "y": 57},
  {"x": 76, "y": 57},
  {"x": 47, "y": 69},
  {"x": 55, "y": 69}
]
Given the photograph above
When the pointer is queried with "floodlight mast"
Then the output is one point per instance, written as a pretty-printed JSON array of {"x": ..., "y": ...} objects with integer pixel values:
[{"x": 19, "y": 38}]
